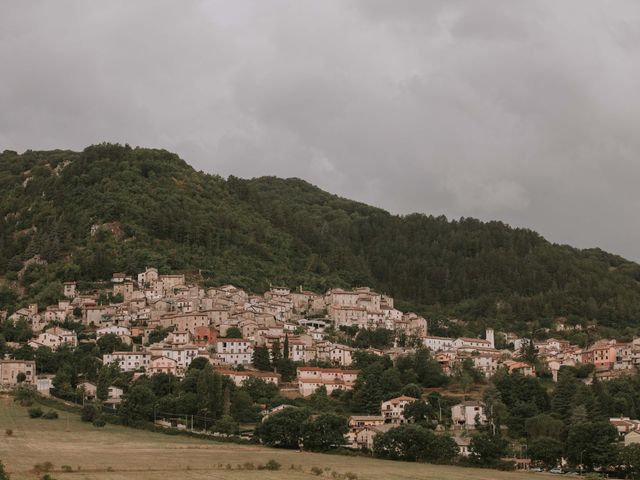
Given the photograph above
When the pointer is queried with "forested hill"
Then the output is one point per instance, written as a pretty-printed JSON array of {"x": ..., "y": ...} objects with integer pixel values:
[{"x": 113, "y": 208}]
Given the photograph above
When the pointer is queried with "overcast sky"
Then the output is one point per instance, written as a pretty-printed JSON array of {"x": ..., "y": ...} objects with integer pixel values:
[{"x": 526, "y": 112}]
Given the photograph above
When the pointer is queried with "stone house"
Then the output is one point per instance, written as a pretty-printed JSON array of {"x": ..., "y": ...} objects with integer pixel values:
[{"x": 10, "y": 370}]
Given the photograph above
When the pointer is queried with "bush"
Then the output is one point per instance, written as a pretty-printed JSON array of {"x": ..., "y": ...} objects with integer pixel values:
[
  {"x": 43, "y": 467},
  {"x": 272, "y": 465},
  {"x": 8, "y": 432},
  {"x": 351, "y": 476},
  {"x": 249, "y": 466},
  {"x": 24, "y": 396},
  {"x": 35, "y": 412},
  {"x": 66, "y": 468},
  {"x": 50, "y": 415},
  {"x": 88, "y": 413},
  {"x": 316, "y": 470},
  {"x": 99, "y": 422}
]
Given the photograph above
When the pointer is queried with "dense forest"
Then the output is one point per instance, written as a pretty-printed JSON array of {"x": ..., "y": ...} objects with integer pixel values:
[{"x": 116, "y": 208}]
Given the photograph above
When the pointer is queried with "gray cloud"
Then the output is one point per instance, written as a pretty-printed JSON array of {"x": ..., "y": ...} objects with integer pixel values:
[{"x": 523, "y": 112}]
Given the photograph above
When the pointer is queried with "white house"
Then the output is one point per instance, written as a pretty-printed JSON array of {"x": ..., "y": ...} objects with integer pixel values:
[
  {"x": 310, "y": 378},
  {"x": 393, "y": 410},
  {"x": 437, "y": 343},
  {"x": 128, "y": 361},
  {"x": 234, "y": 351},
  {"x": 468, "y": 414}
]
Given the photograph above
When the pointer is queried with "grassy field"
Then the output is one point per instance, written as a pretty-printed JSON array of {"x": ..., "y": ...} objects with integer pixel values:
[{"x": 121, "y": 453}]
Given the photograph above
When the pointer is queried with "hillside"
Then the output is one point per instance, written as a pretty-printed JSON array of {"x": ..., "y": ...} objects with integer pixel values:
[{"x": 113, "y": 208}]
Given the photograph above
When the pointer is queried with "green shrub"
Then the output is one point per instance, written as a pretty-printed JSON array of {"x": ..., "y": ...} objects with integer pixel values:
[
  {"x": 316, "y": 470},
  {"x": 88, "y": 413},
  {"x": 35, "y": 412},
  {"x": 50, "y": 415},
  {"x": 43, "y": 467},
  {"x": 66, "y": 468},
  {"x": 351, "y": 476},
  {"x": 249, "y": 466},
  {"x": 272, "y": 465},
  {"x": 8, "y": 432},
  {"x": 99, "y": 422}
]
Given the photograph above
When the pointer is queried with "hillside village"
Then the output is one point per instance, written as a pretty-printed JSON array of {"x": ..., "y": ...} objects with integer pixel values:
[{"x": 160, "y": 324}]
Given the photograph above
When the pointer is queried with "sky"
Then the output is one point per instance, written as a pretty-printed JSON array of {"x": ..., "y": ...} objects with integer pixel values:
[{"x": 524, "y": 112}]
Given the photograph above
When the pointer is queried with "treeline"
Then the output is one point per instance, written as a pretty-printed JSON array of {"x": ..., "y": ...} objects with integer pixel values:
[{"x": 148, "y": 207}]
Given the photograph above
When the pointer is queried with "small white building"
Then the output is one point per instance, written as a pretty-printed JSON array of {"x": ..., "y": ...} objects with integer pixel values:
[
  {"x": 437, "y": 343},
  {"x": 234, "y": 351},
  {"x": 311, "y": 378},
  {"x": 128, "y": 361},
  {"x": 10, "y": 370},
  {"x": 393, "y": 410},
  {"x": 468, "y": 414},
  {"x": 239, "y": 377}
]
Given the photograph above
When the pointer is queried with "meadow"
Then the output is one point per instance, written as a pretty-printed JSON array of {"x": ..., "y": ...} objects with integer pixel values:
[{"x": 120, "y": 453}]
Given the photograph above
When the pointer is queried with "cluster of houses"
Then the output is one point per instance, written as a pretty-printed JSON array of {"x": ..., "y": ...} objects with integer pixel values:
[
  {"x": 226, "y": 324},
  {"x": 465, "y": 416}
]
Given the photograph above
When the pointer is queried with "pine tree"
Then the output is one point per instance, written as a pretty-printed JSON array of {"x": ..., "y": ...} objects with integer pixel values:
[
  {"x": 260, "y": 359},
  {"x": 276, "y": 352},
  {"x": 285, "y": 350},
  {"x": 563, "y": 395}
]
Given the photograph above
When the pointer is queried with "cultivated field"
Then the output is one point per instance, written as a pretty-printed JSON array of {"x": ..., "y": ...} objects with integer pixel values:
[{"x": 120, "y": 453}]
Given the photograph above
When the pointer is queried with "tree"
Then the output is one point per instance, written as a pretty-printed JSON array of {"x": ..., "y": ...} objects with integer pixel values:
[
  {"x": 276, "y": 352},
  {"x": 110, "y": 343},
  {"x": 137, "y": 405},
  {"x": 319, "y": 399},
  {"x": 259, "y": 390},
  {"x": 285, "y": 349},
  {"x": 561, "y": 403},
  {"x": 65, "y": 380},
  {"x": 546, "y": 450},
  {"x": 21, "y": 377},
  {"x": 487, "y": 448},
  {"x": 88, "y": 413},
  {"x": 106, "y": 376},
  {"x": 163, "y": 384},
  {"x": 158, "y": 334},
  {"x": 226, "y": 425},
  {"x": 591, "y": 444},
  {"x": 630, "y": 458},
  {"x": 261, "y": 359},
  {"x": 414, "y": 443},
  {"x": 283, "y": 429},
  {"x": 234, "y": 332},
  {"x": 324, "y": 432},
  {"x": 243, "y": 409},
  {"x": 543, "y": 425},
  {"x": 412, "y": 390},
  {"x": 287, "y": 369},
  {"x": 25, "y": 396},
  {"x": 420, "y": 412},
  {"x": 198, "y": 363},
  {"x": 210, "y": 392}
]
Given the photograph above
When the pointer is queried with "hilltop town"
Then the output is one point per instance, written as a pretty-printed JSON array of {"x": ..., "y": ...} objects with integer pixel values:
[{"x": 297, "y": 341}]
